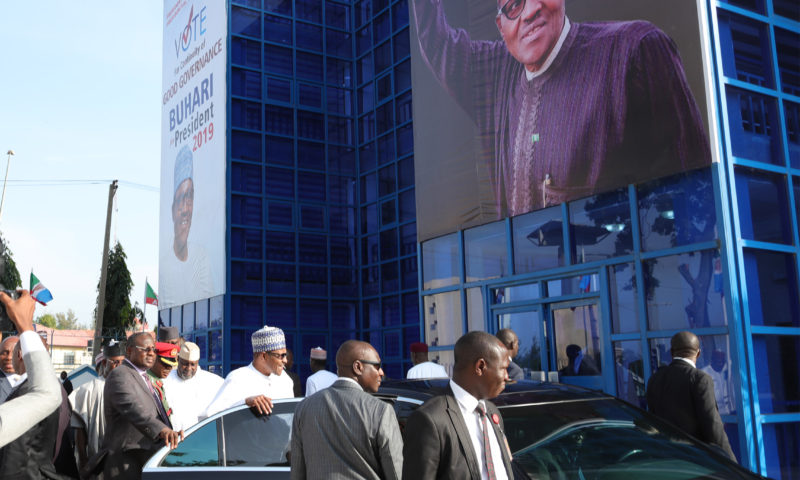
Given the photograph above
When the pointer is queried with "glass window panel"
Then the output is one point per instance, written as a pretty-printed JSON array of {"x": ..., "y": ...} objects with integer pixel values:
[
  {"x": 391, "y": 311},
  {"x": 280, "y": 246},
  {"x": 528, "y": 327},
  {"x": 365, "y": 69},
  {"x": 280, "y": 278},
  {"x": 600, "y": 226},
  {"x": 279, "y": 90},
  {"x": 763, "y": 206},
  {"x": 342, "y": 220},
  {"x": 200, "y": 449},
  {"x": 245, "y": 22},
  {"x": 201, "y": 314},
  {"x": 309, "y": 66},
  {"x": 245, "y": 114},
  {"x": 337, "y": 15},
  {"x": 405, "y": 173},
  {"x": 279, "y": 120},
  {"x": 246, "y": 210},
  {"x": 399, "y": 15},
  {"x": 366, "y": 98},
  {"x": 403, "y": 108},
  {"x": 313, "y": 314},
  {"x": 402, "y": 48},
  {"x": 624, "y": 312},
  {"x": 340, "y": 130},
  {"x": 246, "y": 243},
  {"x": 245, "y": 178},
  {"x": 366, "y": 127},
  {"x": 771, "y": 288},
  {"x": 381, "y": 28},
  {"x": 476, "y": 313},
  {"x": 279, "y": 182},
  {"x": 411, "y": 315},
  {"x": 386, "y": 181},
  {"x": 341, "y": 160},
  {"x": 405, "y": 140},
  {"x": 384, "y": 87},
  {"x": 341, "y": 189},
  {"x": 753, "y": 5},
  {"x": 215, "y": 346},
  {"x": 573, "y": 285},
  {"x": 388, "y": 244},
  {"x": 344, "y": 282},
  {"x": 279, "y": 213},
  {"x": 188, "y": 319},
  {"x": 339, "y": 101},
  {"x": 363, "y": 12},
  {"x": 369, "y": 218},
  {"x": 373, "y": 311},
  {"x": 281, "y": 312},
  {"x": 313, "y": 281},
  {"x": 407, "y": 206},
  {"x": 246, "y": 311},
  {"x": 340, "y": 72},
  {"x": 443, "y": 318},
  {"x": 410, "y": 273},
  {"x": 796, "y": 181},
  {"x": 780, "y": 448},
  {"x": 747, "y": 56},
  {"x": 309, "y": 10},
  {"x": 246, "y": 145},
  {"x": 278, "y": 29},
  {"x": 343, "y": 316},
  {"x": 390, "y": 277},
  {"x": 402, "y": 76},
  {"x": 755, "y": 129},
  {"x": 311, "y": 186},
  {"x": 370, "y": 278},
  {"x": 787, "y": 8},
  {"x": 309, "y": 36},
  {"x": 440, "y": 262},
  {"x": 683, "y": 292},
  {"x": 283, "y": 7},
  {"x": 277, "y": 59},
  {"x": 246, "y": 52},
  {"x": 246, "y": 83},
  {"x": 677, "y": 210},
  {"x": 538, "y": 240},
  {"x": 363, "y": 40},
  {"x": 343, "y": 251},
  {"x": 578, "y": 340},
  {"x": 312, "y": 217},
  {"x": 388, "y": 212},
  {"x": 338, "y": 43},
  {"x": 309, "y": 95},
  {"x": 787, "y": 46},
  {"x": 408, "y": 239},
  {"x": 312, "y": 248},
  {"x": 486, "y": 251},
  {"x": 516, "y": 293},
  {"x": 246, "y": 277},
  {"x": 310, "y": 125},
  {"x": 311, "y": 155},
  {"x": 383, "y": 57},
  {"x": 384, "y": 118},
  {"x": 386, "y": 149},
  {"x": 629, "y": 372},
  {"x": 216, "y": 309},
  {"x": 253, "y": 440},
  {"x": 792, "y": 117},
  {"x": 280, "y": 151}
]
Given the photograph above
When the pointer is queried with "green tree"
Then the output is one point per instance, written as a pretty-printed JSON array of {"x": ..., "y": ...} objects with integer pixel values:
[
  {"x": 117, "y": 312},
  {"x": 9, "y": 275},
  {"x": 67, "y": 320},
  {"x": 47, "y": 320}
]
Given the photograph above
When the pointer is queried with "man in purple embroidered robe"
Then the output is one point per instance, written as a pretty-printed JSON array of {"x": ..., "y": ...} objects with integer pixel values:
[{"x": 566, "y": 110}]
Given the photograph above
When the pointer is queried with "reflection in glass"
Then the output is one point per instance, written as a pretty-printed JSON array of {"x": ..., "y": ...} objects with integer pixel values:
[
  {"x": 763, "y": 206},
  {"x": 253, "y": 440},
  {"x": 528, "y": 327},
  {"x": 573, "y": 285},
  {"x": 714, "y": 359},
  {"x": 600, "y": 226},
  {"x": 624, "y": 314},
  {"x": 677, "y": 210},
  {"x": 538, "y": 240},
  {"x": 517, "y": 293},
  {"x": 792, "y": 114},
  {"x": 475, "y": 309},
  {"x": 771, "y": 288},
  {"x": 578, "y": 340},
  {"x": 197, "y": 450},
  {"x": 780, "y": 449},
  {"x": 777, "y": 360},
  {"x": 754, "y": 126},
  {"x": 685, "y": 291},
  {"x": 629, "y": 372},
  {"x": 443, "y": 325},
  {"x": 440, "y": 262},
  {"x": 486, "y": 252}
]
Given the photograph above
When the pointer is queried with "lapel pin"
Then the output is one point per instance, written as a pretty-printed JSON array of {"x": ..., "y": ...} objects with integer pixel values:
[{"x": 495, "y": 419}]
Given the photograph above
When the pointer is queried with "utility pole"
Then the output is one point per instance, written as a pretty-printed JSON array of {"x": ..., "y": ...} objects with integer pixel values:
[
  {"x": 101, "y": 298},
  {"x": 10, "y": 154}
]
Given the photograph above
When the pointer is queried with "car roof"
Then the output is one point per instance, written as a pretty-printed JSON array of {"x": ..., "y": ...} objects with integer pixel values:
[{"x": 516, "y": 393}]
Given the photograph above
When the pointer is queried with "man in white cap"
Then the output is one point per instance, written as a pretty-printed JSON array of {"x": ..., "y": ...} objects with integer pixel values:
[
  {"x": 189, "y": 388},
  {"x": 258, "y": 383},
  {"x": 320, "y": 377}
]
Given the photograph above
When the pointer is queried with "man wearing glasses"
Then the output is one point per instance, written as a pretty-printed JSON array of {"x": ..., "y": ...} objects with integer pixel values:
[
  {"x": 343, "y": 431},
  {"x": 565, "y": 110},
  {"x": 258, "y": 383}
]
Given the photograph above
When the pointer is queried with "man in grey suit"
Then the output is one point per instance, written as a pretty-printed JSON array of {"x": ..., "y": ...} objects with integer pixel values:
[
  {"x": 136, "y": 423},
  {"x": 459, "y": 434},
  {"x": 20, "y": 414},
  {"x": 343, "y": 432}
]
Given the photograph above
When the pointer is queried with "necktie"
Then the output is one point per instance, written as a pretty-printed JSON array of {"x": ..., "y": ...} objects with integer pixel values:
[
  {"x": 487, "y": 450},
  {"x": 160, "y": 406}
]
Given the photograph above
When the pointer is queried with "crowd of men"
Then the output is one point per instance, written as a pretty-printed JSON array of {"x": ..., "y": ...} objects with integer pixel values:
[{"x": 147, "y": 395}]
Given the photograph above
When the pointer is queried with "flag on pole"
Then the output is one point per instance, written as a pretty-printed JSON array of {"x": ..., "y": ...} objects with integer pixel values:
[
  {"x": 39, "y": 292},
  {"x": 150, "y": 297}
]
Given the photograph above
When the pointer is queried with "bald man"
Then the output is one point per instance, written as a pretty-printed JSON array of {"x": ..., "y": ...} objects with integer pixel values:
[
  {"x": 684, "y": 395},
  {"x": 343, "y": 432},
  {"x": 8, "y": 377}
]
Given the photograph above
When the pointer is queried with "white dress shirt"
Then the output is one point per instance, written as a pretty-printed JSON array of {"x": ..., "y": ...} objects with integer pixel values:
[
  {"x": 467, "y": 404},
  {"x": 319, "y": 380},
  {"x": 427, "y": 370}
]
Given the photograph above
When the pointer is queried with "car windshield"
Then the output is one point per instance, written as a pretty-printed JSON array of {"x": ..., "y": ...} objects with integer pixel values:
[{"x": 600, "y": 439}]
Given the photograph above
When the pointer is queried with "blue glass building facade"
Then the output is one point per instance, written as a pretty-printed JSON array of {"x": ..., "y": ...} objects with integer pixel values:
[{"x": 321, "y": 233}]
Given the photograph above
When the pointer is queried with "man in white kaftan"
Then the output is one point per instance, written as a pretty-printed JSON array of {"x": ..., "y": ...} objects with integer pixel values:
[
  {"x": 320, "y": 378},
  {"x": 258, "y": 383},
  {"x": 189, "y": 388}
]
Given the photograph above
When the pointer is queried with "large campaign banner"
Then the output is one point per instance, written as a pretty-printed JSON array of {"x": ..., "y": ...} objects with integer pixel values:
[
  {"x": 524, "y": 104},
  {"x": 193, "y": 147}
]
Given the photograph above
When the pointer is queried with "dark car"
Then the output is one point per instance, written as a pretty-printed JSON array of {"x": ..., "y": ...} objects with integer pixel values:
[{"x": 555, "y": 432}]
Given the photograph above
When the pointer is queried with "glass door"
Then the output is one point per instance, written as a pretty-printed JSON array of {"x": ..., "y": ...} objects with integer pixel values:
[
  {"x": 528, "y": 324},
  {"x": 578, "y": 342}
]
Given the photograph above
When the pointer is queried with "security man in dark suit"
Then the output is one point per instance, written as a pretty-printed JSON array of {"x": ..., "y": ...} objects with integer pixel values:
[
  {"x": 459, "y": 434},
  {"x": 684, "y": 395},
  {"x": 136, "y": 423}
]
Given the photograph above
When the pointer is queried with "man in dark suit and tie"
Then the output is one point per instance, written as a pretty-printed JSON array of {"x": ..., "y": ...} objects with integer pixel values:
[
  {"x": 343, "y": 432},
  {"x": 459, "y": 434},
  {"x": 684, "y": 395},
  {"x": 136, "y": 423}
]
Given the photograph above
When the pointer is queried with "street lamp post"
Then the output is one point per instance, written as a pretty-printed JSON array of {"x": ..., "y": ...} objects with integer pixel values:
[{"x": 10, "y": 153}]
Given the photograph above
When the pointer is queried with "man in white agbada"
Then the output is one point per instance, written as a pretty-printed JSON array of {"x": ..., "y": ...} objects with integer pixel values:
[
  {"x": 258, "y": 383},
  {"x": 189, "y": 388},
  {"x": 321, "y": 378},
  {"x": 423, "y": 368},
  {"x": 87, "y": 405}
]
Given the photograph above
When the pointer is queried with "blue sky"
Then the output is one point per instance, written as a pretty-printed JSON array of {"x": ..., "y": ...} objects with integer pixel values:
[{"x": 80, "y": 100}]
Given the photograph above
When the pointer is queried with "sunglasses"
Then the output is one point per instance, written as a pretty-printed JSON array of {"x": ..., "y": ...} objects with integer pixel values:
[
  {"x": 377, "y": 365},
  {"x": 277, "y": 355}
]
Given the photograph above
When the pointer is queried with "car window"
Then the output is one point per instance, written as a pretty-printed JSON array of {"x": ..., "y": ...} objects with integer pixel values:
[
  {"x": 200, "y": 449},
  {"x": 253, "y": 440}
]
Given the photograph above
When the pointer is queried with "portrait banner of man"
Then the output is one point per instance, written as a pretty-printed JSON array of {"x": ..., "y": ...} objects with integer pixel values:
[
  {"x": 193, "y": 153},
  {"x": 524, "y": 104}
]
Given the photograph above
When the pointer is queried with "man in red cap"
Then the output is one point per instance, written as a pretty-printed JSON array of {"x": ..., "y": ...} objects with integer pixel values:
[
  {"x": 423, "y": 368},
  {"x": 166, "y": 360}
]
